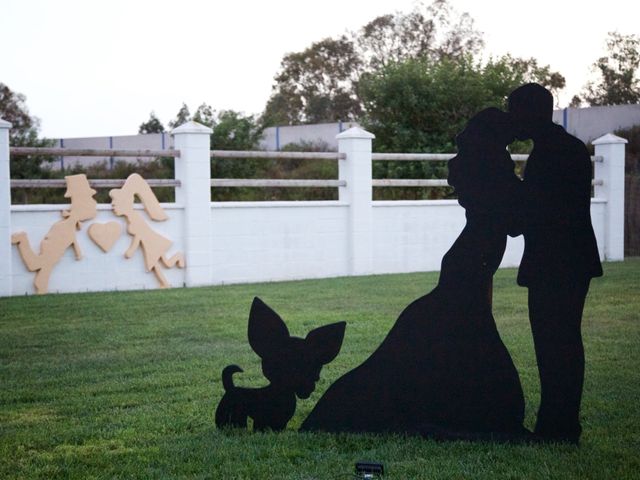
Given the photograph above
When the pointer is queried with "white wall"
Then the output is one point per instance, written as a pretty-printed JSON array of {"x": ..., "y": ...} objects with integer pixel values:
[
  {"x": 238, "y": 242},
  {"x": 96, "y": 271},
  {"x": 264, "y": 241}
]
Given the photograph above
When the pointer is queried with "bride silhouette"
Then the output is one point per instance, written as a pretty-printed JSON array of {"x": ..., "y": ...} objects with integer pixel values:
[{"x": 443, "y": 371}]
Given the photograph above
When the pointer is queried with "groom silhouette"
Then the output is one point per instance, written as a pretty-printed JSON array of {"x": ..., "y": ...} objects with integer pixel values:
[{"x": 560, "y": 257}]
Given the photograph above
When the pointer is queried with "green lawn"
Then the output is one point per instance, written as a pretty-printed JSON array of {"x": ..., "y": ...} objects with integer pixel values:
[{"x": 124, "y": 385}]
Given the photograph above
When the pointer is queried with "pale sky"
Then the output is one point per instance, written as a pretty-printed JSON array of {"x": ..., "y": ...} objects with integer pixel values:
[{"x": 98, "y": 68}]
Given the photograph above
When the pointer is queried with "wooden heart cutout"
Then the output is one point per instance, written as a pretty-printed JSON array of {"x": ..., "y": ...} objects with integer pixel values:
[{"x": 105, "y": 235}]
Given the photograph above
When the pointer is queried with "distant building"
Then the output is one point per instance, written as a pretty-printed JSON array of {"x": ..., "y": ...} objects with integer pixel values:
[
  {"x": 585, "y": 123},
  {"x": 592, "y": 122},
  {"x": 276, "y": 138}
]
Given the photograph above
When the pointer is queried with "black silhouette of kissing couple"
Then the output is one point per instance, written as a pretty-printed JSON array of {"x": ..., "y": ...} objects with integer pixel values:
[{"x": 443, "y": 371}]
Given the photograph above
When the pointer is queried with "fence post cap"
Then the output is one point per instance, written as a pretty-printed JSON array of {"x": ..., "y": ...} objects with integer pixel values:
[
  {"x": 192, "y": 127},
  {"x": 609, "y": 138},
  {"x": 5, "y": 124},
  {"x": 355, "y": 132}
]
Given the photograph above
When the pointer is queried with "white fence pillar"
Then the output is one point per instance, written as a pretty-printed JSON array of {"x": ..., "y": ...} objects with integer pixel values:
[
  {"x": 193, "y": 169},
  {"x": 611, "y": 172},
  {"x": 356, "y": 170},
  {"x": 5, "y": 211}
]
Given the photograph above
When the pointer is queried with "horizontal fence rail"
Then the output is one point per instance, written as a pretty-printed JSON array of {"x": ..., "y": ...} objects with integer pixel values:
[
  {"x": 88, "y": 152},
  {"x": 95, "y": 183},
  {"x": 402, "y": 182},
  {"x": 276, "y": 155},
  {"x": 246, "y": 154},
  {"x": 413, "y": 157},
  {"x": 440, "y": 157},
  {"x": 246, "y": 182}
]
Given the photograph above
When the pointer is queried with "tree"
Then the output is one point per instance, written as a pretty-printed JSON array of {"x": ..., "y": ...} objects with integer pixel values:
[
  {"x": 315, "y": 85},
  {"x": 421, "y": 105},
  {"x": 515, "y": 71},
  {"x": 205, "y": 115},
  {"x": 234, "y": 131},
  {"x": 618, "y": 83},
  {"x": 183, "y": 116},
  {"x": 320, "y": 83},
  {"x": 24, "y": 133},
  {"x": 14, "y": 109},
  {"x": 428, "y": 32},
  {"x": 153, "y": 125}
]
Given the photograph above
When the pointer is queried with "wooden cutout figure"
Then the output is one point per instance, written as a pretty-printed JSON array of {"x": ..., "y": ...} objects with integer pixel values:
[
  {"x": 105, "y": 235},
  {"x": 291, "y": 364},
  {"x": 560, "y": 257},
  {"x": 153, "y": 245},
  {"x": 62, "y": 234},
  {"x": 443, "y": 371}
]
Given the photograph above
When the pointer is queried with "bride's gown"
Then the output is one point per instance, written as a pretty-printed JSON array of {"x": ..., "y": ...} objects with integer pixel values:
[{"x": 442, "y": 370}]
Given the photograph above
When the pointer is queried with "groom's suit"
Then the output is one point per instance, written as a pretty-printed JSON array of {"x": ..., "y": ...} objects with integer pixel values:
[{"x": 560, "y": 258}]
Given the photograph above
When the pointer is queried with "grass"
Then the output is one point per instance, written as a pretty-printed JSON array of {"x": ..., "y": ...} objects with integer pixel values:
[{"x": 125, "y": 384}]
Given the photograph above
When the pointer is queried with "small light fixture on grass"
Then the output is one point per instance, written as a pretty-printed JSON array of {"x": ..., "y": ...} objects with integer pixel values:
[{"x": 369, "y": 470}]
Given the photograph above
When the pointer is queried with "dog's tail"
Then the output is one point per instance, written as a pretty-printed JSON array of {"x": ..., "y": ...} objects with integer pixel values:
[{"x": 227, "y": 376}]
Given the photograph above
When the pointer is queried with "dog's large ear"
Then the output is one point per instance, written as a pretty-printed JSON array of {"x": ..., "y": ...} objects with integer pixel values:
[
  {"x": 325, "y": 342},
  {"x": 267, "y": 332}
]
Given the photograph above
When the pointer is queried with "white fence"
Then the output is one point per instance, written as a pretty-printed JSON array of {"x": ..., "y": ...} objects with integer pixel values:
[{"x": 234, "y": 242}]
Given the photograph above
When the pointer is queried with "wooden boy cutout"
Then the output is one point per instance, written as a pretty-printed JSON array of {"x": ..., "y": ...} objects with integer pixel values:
[{"x": 62, "y": 234}]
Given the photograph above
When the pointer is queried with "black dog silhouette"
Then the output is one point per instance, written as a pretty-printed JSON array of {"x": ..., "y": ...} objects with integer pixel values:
[{"x": 291, "y": 364}]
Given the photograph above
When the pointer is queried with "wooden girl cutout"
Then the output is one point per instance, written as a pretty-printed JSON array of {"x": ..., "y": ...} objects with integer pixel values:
[
  {"x": 62, "y": 234},
  {"x": 154, "y": 245}
]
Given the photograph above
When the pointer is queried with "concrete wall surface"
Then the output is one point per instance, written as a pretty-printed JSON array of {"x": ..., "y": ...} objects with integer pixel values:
[
  {"x": 235, "y": 242},
  {"x": 263, "y": 241},
  {"x": 97, "y": 270}
]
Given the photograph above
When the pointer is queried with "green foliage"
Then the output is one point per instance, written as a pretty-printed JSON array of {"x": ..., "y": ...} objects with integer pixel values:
[
  {"x": 23, "y": 133},
  {"x": 618, "y": 83},
  {"x": 13, "y": 109},
  {"x": 319, "y": 84},
  {"x": 234, "y": 131},
  {"x": 420, "y": 106},
  {"x": 153, "y": 125},
  {"x": 158, "y": 168},
  {"x": 315, "y": 85},
  {"x": 432, "y": 32},
  {"x": 294, "y": 168},
  {"x": 205, "y": 115},
  {"x": 183, "y": 116},
  {"x": 125, "y": 384}
]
